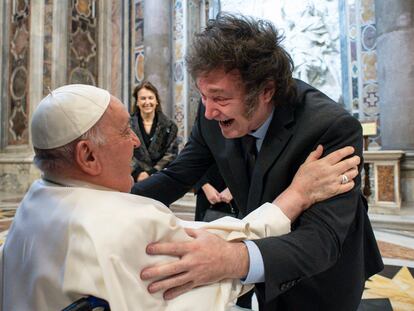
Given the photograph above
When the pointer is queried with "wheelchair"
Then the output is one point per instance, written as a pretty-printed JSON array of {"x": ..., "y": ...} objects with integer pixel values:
[{"x": 89, "y": 303}]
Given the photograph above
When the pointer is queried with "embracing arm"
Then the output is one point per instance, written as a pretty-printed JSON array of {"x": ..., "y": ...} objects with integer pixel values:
[{"x": 209, "y": 258}]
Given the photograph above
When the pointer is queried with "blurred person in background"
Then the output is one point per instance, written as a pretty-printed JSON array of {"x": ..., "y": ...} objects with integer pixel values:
[{"x": 154, "y": 129}]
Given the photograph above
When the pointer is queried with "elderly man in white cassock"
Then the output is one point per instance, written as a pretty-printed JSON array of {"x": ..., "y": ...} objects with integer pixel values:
[{"x": 79, "y": 232}]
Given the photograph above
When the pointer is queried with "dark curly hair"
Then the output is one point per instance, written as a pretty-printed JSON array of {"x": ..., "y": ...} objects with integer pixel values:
[
  {"x": 251, "y": 46},
  {"x": 149, "y": 86}
]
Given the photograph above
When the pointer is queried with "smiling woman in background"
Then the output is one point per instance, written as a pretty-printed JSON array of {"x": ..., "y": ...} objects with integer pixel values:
[{"x": 157, "y": 133}]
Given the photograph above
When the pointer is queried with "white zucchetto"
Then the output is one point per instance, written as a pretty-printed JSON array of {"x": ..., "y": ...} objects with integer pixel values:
[{"x": 67, "y": 113}]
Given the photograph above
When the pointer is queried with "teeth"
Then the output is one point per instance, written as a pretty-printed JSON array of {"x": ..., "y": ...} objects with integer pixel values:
[{"x": 226, "y": 122}]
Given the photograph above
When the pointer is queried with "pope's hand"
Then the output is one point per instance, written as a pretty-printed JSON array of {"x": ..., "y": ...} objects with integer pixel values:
[{"x": 204, "y": 260}]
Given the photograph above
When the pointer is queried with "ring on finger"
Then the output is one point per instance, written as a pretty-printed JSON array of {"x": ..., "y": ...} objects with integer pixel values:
[{"x": 344, "y": 179}]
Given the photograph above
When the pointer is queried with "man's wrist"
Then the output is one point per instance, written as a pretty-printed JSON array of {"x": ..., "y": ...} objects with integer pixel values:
[
  {"x": 239, "y": 268},
  {"x": 292, "y": 203}
]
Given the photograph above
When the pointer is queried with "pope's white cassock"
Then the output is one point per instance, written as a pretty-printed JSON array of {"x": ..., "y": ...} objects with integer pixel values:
[{"x": 70, "y": 241}]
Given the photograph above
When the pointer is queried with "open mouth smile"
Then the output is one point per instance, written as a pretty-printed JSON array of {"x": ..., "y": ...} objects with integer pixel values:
[{"x": 226, "y": 123}]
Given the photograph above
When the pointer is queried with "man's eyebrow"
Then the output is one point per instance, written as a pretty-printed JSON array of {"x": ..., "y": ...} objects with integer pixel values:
[{"x": 216, "y": 90}]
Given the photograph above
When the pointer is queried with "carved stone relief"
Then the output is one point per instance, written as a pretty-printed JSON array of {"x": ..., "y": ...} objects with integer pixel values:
[
  {"x": 18, "y": 105},
  {"x": 83, "y": 34}
]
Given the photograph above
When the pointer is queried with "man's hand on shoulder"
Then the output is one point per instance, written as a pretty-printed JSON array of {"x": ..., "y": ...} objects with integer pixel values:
[
  {"x": 204, "y": 260},
  {"x": 319, "y": 179}
]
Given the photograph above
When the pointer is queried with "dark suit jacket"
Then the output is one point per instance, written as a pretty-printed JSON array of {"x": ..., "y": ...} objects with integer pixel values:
[
  {"x": 161, "y": 151},
  {"x": 323, "y": 263}
]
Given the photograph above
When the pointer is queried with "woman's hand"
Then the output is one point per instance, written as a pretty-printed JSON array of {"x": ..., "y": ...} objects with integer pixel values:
[
  {"x": 212, "y": 195},
  {"x": 226, "y": 195},
  {"x": 318, "y": 180}
]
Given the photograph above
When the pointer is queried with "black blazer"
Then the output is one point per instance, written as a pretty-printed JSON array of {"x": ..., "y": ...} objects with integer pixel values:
[
  {"x": 323, "y": 263},
  {"x": 161, "y": 151}
]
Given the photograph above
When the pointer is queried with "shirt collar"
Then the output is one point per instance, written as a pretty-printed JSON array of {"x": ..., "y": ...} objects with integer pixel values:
[
  {"x": 67, "y": 182},
  {"x": 260, "y": 133}
]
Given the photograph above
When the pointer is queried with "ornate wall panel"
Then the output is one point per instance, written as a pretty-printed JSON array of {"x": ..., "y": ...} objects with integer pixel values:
[
  {"x": 179, "y": 71},
  {"x": 83, "y": 35},
  {"x": 116, "y": 48},
  {"x": 361, "y": 61},
  {"x": 137, "y": 45},
  {"x": 188, "y": 18},
  {"x": 138, "y": 41},
  {"x": 354, "y": 57},
  {"x": 197, "y": 16},
  {"x": 18, "y": 103},
  {"x": 47, "y": 49},
  {"x": 370, "y": 107}
]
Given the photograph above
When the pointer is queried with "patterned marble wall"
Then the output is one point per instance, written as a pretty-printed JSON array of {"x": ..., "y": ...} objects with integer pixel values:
[
  {"x": 138, "y": 41},
  {"x": 18, "y": 81},
  {"x": 83, "y": 34},
  {"x": 179, "y": 73},
  {"x": 47, "y": 47},
  {"x": 362, "y": 62},
  {"x": 117, "y": 42},
  {"x": 188, "y": 18}
]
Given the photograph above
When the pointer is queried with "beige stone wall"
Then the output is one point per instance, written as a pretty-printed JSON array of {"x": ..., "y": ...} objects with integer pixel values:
[
  {"x": 407, "y": 180},
  {"x": 17, "y": 173}
]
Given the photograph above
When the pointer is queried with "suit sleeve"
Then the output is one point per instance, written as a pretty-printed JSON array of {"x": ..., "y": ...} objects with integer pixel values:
[
  {"x": 316, "y": 241},
  {"x": 169, "y": 184}
]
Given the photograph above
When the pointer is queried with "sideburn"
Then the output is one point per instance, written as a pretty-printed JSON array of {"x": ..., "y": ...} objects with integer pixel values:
[{"x": 251, "y": 103}]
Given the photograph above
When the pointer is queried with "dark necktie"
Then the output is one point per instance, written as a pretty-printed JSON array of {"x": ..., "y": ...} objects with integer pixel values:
[{"x": 250, "y": 153}]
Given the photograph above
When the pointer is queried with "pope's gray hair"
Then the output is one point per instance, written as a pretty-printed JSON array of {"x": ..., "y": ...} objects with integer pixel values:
[{"x": 53, "y": 160}]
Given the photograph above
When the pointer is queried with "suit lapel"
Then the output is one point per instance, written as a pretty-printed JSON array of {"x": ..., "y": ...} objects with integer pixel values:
[{"x": 277, "y": 136}]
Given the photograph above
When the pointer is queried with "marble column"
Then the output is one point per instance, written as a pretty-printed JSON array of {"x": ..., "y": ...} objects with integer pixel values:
[
  {"x": 157, "y": 42},
  {"x": 395, "y": 46}
]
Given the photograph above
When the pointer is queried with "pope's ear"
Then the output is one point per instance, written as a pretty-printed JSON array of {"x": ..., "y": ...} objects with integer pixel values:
[{"x": 87, "y": 158}]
